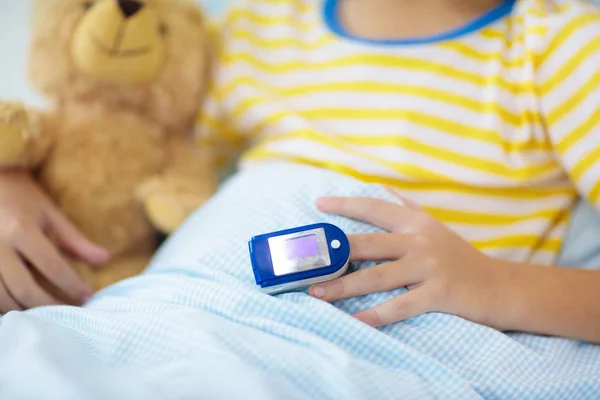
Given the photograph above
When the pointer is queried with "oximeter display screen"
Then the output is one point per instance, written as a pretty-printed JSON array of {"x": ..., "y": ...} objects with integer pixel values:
[
  {"x": 302, "y": 247},
  {"x": 300, "y": 251}
]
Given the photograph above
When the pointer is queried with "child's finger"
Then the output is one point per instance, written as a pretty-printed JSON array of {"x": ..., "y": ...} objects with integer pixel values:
[
  {"x": 383, "y": 214},
  {"x": 379, "y": 246},
  {"x": 75, "y": 242},
  {"x": 40, "y": 252},
  {"x": 20, "y": 284},
  {"x": 7, "y": 303},
  {"x": 405, "y": 306},
  {"x": 380, "y": 278}
]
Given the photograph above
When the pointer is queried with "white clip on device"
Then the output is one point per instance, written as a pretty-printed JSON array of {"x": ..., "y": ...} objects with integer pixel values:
[{"x": 293, "y": 259}]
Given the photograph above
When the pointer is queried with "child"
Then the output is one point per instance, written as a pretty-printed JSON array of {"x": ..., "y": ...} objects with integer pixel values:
[
  {"x": 483, "y": 112},
  {"x": 479, "y": 115}
]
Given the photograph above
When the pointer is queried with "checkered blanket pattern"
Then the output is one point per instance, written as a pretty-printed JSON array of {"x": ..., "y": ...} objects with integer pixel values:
[{"x": 195, "y": 327}]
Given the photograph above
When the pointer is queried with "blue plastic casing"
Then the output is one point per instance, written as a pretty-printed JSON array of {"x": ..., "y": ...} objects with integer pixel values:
[{"x": 264, "y": 271}]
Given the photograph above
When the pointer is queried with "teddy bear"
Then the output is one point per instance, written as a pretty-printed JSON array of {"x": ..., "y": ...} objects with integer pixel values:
[{"x": 115, "y": 150}]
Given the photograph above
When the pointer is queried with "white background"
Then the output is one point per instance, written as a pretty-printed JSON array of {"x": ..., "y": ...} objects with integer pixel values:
[{"x": 14, "y": 27}]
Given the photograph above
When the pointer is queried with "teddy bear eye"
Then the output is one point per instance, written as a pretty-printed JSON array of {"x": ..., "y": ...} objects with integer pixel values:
[
  {"x": 164, "y": 30},
  {"x": 87, "y": 5}
]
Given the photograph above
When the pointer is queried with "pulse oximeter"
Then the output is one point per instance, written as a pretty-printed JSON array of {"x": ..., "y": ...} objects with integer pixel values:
[{"x": 293, "y": 259}]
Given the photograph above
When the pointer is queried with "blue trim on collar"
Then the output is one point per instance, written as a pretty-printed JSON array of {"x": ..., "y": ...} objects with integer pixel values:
[{"x": 334, "y": 24}]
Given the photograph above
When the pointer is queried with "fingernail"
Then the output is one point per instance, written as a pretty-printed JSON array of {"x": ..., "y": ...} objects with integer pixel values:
[
  {"x": 324, "y": 203},
  {"x": 318, "y": 291},
  {"x": 88, "y": 297},
  {"x": 101, "y": 255},
  {"x": 87, "y": 294},
  {"x": 102, "y": 252}
]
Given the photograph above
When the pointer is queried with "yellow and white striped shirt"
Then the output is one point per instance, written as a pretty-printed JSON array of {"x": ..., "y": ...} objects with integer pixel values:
[{"x": 493, "y": 128}]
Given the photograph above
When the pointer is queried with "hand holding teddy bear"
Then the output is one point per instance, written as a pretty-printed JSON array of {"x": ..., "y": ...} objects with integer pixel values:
[{"x": 115, "y": 154}]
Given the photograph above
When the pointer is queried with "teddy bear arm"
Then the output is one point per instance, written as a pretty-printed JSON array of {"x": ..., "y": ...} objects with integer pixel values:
[
  {"x": 188, "y": 160},
  {"x": 25, "y": 136},
  {"x": 187, "y": 181}
]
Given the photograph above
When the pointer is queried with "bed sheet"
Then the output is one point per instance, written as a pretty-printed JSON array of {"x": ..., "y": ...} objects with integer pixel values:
[{"x": 195, "y": 327}]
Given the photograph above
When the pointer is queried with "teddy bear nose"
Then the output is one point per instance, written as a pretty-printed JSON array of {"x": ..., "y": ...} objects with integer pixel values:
[{"x": 130, "y": 7}]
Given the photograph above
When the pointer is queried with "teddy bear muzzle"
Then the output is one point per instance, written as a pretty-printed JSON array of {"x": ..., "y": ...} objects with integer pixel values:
[{"x": 119, "y": 41}]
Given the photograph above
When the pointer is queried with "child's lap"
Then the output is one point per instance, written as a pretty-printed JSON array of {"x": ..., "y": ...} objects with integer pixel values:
[
  {"x": 206, "y": 266},
  {"x": 211, "y": 249}
]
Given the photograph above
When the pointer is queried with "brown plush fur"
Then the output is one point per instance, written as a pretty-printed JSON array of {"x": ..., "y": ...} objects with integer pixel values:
[{"x": 116, "y": 156}]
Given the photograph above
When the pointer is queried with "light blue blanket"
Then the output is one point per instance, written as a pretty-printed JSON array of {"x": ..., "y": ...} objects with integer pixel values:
[{"x": 194, "y": 326}]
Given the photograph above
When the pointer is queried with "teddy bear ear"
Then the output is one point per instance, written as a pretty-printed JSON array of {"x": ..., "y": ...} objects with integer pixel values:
[
  {"x": 36, "y": 10},
  {"x": 195, "y": 12}
]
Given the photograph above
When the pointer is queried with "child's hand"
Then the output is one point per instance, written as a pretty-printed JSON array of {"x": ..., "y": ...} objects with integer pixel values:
[
  {"x": 27, "y": 217},
  {"x": 443, "y": 272}
]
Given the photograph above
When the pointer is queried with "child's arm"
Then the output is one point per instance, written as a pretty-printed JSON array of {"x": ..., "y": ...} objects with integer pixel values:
[
  {"x": 446, "y": 274},
  {"x": 552, "y": 301}
]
